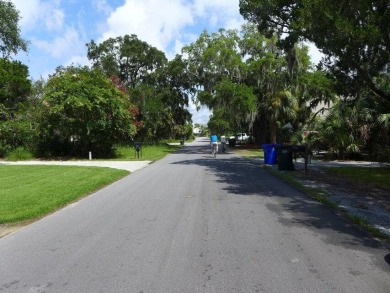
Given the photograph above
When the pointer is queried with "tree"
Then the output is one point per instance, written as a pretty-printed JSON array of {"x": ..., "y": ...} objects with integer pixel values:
[
  {"x": 288, "y": 88},
  {"x": 218, "y": 122},
  {"x": 134, "y": 61},
  {"x": 354, "y": 35},
  {"x": 14, "y": 85},
  {"x": 172, "y": 87},
  {"x": 83, "y": 111},
  {"x": 15, "y": 88},
  {"x": 218, "y": 73},
  {"x": 272, "y": 79},
  {"x": 127, "y": 57},
  {"x": 164, "y": 99},
  {"x": 338, "y": 132},
  {"x": 10, "y": 40}
]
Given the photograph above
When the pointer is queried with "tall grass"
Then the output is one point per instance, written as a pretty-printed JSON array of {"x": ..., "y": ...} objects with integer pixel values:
[{"x": 19, "y": 154}]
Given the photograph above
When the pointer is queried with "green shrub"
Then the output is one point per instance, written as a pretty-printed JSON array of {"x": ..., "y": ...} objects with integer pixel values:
[{"x": 19, "y": 154}]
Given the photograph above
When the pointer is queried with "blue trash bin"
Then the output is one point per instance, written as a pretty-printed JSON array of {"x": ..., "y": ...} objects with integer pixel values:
[{"x": 270, "y": 153}]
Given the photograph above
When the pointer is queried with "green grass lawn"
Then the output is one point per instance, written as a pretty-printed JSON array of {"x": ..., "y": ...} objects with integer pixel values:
[
  {"x": 29, "y": 192},
  {"x": 123, "y": 153},
  {"x": 249, "y": 151},
  {"x": 376, "y": 176}
]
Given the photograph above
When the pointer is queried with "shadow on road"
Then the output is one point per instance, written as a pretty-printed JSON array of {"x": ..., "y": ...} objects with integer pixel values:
[
  {"x": 387, "y": 259},
  {"x": 243, "y": 177}
]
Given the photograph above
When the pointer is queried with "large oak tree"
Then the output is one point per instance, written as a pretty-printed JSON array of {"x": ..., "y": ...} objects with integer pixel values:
[{"x": 354, "y": 35}]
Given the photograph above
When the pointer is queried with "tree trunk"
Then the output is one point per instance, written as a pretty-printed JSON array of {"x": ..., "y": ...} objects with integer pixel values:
[
  {"x": 273, "y": 131},
  {"x": 261, "y": 131}
]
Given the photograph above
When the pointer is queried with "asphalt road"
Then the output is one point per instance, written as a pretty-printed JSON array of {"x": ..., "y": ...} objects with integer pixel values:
[{"x": 192, "y": 223}]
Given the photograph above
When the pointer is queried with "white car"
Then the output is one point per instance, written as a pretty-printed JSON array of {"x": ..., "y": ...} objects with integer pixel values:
[{"x": 242, "y": 136}]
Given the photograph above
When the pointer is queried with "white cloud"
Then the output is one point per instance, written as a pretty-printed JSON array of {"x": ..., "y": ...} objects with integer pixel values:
[
  {"x": 62, "y": 45},
  {"x": 77, "y": 60},
  {"x": 55, "y": 22},
  {"x": 201, "y": 115},
  {"x": 102, "y": 6},
  {"x": 37, "y": 14},
  {"x": 29, "y": 12},
  {"x": 221, "y": 11},
  {"x": 166, "y": 24},
  {"x": 157, "y": 22}
]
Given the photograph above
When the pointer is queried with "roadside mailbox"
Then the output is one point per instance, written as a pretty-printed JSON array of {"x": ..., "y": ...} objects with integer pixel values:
[{"x": 137, "y": 149}]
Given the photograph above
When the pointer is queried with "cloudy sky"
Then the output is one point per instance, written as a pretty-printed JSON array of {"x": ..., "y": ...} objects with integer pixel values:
[{"x": 58, "y": 30}]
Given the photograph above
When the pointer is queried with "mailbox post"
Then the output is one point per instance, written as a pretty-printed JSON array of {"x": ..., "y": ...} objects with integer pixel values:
[{"x": 137, "y": 149}]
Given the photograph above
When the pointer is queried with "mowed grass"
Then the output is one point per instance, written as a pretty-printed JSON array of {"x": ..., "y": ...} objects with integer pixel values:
[
  {"x": 379, "y": 177},
  {"x": 249, "y": 151},
  {"x": 29, "y": 192}
]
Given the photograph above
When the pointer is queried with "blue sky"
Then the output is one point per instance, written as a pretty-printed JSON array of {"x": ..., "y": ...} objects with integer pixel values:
[{"x": 58, "y": 30}]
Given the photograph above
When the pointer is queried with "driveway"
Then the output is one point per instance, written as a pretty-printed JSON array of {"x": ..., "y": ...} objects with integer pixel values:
[{"x": 131, "y": 166}]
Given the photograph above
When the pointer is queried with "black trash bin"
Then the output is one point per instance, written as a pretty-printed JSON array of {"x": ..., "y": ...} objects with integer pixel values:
[
  {"x": 232, "y": 142},
  {"x": 182, "y": 141},
  {"x": 285, "y": 158}
]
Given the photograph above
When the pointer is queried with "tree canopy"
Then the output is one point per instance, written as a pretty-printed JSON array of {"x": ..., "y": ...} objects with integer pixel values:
[
  {"x": 252, "y": 84},
  {"x": 83, "y": 111},
  {"x": 354, "y": 35},
  {"x": 257, "y": 80},
  {"x": 218, "y": 72},
  {"x": 10, "y": 39},
  {"x": 160, "y": 89},
  {"x": 14, "y": 84},
  {"x": 127, "y": 57}
]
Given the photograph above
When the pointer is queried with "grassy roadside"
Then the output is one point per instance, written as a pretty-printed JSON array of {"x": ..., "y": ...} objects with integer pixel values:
[
  {"x": 123, "y": 153},
  {"x": 255, "y": 152},
  {"x": 147, "y": 152},
  {"x": 31, "y": 192},
  {"x": 320, "y": 196},
  {"x": 376, "y": 177}
]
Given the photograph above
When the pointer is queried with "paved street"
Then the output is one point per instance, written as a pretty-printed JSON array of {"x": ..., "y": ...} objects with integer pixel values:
[{"x": 192, "y": 223}]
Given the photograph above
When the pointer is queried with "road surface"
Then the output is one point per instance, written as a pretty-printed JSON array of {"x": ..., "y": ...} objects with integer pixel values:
[{"x": 192, "y": 223}]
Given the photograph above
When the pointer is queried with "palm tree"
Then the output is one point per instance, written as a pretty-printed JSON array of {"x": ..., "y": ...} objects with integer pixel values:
[{"x": 280, "y": 107}]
